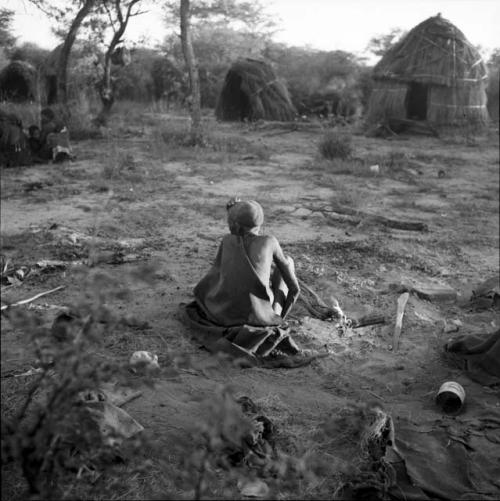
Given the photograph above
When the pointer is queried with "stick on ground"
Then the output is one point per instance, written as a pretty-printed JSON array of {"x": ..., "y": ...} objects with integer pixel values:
[
  {"x": 29, "y": 300},
  {"x": 402, "y": 300}
]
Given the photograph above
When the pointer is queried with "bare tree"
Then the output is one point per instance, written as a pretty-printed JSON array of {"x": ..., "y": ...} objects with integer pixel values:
[
  {"x": 62, "y": 15},
  {"x": 118, "y": 13},
  {"x": 194, "y": 79},
  {"x": 62, "y": 64}
]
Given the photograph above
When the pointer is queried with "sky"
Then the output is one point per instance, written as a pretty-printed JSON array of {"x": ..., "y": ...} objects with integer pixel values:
[{"x": 321, "y": 24}]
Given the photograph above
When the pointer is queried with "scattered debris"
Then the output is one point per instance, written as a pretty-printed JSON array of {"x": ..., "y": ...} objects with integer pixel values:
[
  {"x": 143, "y": 360},
  {"x": 30, "y": 372},
  {"x": 302, "y": 212},
  {"x": 317, "y": 308},
  {"x": 402, "y": 300},
  {"x": 254, "y": 489},
  {"x": 378, "y": 435},
  {"x": 257, "y": 447},
  {"x": 136, "y": 323},
  {"x": 368, "y": 319},
  {"x": 55, "y": 264},
  {"x": 32, "y": 186},
  {"x": 486, "y": 294},
  {"x": 114, "y": 423},
  {"x": 119, "y": 395},
  {"x": 450, "y": 327},
  {"x": 428, "y": 291},
  {"x": 18, "y": 275},
  {"x": 404, "y": 125}
]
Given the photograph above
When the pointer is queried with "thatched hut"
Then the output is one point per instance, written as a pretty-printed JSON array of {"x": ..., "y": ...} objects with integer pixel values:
[
  {"x": 432, "y": 74},
  {"x": 80, "y": 74},
  {"x": 18, "y": 82},
  {"x": 252, "y": 91}
]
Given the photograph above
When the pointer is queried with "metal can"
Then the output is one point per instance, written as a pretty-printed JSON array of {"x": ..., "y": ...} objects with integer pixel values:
[{"x": 450, "y": 397}]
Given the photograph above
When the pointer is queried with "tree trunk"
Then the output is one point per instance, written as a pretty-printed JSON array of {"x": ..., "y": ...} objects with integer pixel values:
[
  {"x": 105, "y": 87},
  {"x": 194, "y": 80},
  {"x": 62, "y": 63},
  {"x": 106, "y": 91}
]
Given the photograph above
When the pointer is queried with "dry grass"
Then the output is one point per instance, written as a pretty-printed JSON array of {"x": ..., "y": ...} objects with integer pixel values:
[
  {"x": 122, "y": 164},
  {"x": 334, "y": 145}
]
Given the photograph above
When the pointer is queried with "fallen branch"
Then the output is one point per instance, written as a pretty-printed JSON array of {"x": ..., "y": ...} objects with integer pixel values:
[
  {"x": 289, "y": 126},
  {"x": 29, "y": 300},
  {"x": 402, "y": 300},
  {"x": 370, "y": 319},
  {"x": 374, "y": 394},
  {"x": 354, "y": 217}
]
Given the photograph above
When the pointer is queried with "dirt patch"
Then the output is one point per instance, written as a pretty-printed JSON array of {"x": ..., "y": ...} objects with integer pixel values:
[{"x": 173, "y": 212}]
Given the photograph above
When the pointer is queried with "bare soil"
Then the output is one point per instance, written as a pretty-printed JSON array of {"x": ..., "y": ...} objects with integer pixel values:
[{"x": 164, "y": 205}]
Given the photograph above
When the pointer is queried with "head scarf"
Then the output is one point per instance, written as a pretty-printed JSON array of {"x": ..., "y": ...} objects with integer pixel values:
[{"x": 246, "y": 215}]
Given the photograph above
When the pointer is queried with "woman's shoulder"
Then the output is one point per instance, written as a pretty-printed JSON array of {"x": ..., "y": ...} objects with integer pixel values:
[{"x": 265, "y": 241}]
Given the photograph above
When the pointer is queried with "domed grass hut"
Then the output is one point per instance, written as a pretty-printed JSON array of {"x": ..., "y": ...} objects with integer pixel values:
[
  {"x": 252, "y": 91},
  {"x": 80, "y": 72},
  {"x": 19, "y": 82},
  {"x": 433, "y": 74}
]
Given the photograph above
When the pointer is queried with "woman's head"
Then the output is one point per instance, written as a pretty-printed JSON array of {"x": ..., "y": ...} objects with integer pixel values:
[{"x": 244, "y": 217}]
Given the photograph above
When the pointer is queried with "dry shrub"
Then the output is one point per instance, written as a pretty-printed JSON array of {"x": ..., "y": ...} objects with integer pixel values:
[
  {"x": 49, "y": 436},
  {"x": 175, "y": 135},
  {"x": 334, "y": 145},
  {"x": 79, "y": 120},
  {"x": 123, "y": 166}
]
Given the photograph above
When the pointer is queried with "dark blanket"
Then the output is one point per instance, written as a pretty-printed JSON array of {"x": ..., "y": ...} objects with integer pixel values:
[
  {"x": 255, "y": 344},
  {"x": 479, "y": 354},
  {"x": 232, "y": 293}
]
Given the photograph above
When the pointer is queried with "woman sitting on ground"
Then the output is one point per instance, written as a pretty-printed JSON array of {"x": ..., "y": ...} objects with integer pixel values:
[{"x": 251, "y": 282}]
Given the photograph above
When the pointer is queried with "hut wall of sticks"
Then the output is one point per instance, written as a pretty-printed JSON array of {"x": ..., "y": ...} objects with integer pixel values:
[
  {"x": 19, "y": 82},
  {"x": 432, "y": 74},
  {"x": 252, "y": 91}
]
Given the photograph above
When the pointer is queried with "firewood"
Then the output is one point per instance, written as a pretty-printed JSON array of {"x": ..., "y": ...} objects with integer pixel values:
[{"x": 402, "y": 300}]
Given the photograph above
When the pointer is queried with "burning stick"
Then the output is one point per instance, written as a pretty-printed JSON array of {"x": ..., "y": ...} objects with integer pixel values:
[{"x": 402, "y": 300}]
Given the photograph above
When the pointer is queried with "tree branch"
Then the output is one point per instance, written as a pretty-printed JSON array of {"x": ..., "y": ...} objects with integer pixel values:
[
  {"x": 48, "y": 10},
  {"x": 119, "y": 11},
  {"x": 111, "y": 22},
  {"x": 129, "y": 10}
]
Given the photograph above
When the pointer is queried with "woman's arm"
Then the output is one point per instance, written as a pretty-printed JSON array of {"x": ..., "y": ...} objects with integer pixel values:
[{"x": 287, "y": 271}]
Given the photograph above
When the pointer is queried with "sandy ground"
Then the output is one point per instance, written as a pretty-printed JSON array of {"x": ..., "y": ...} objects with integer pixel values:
[{"x": 167, "y": 206}]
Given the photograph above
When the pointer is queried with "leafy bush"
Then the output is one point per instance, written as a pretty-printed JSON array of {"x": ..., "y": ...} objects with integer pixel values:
[
  {"x": 334, "y": 145},
  {"x": 50, "y": 434}
]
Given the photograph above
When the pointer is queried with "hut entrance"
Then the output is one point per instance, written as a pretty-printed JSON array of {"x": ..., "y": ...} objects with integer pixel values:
[
  {"x": 237, "y": 102},
  {"x": 416, "y": 101}
]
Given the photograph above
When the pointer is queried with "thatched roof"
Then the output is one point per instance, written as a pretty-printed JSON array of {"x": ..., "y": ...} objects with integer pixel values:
[
  {"x": 434, "y": 52},
  {"x": 18, "y": 81},
  {"x": 252, "y": 91}
]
